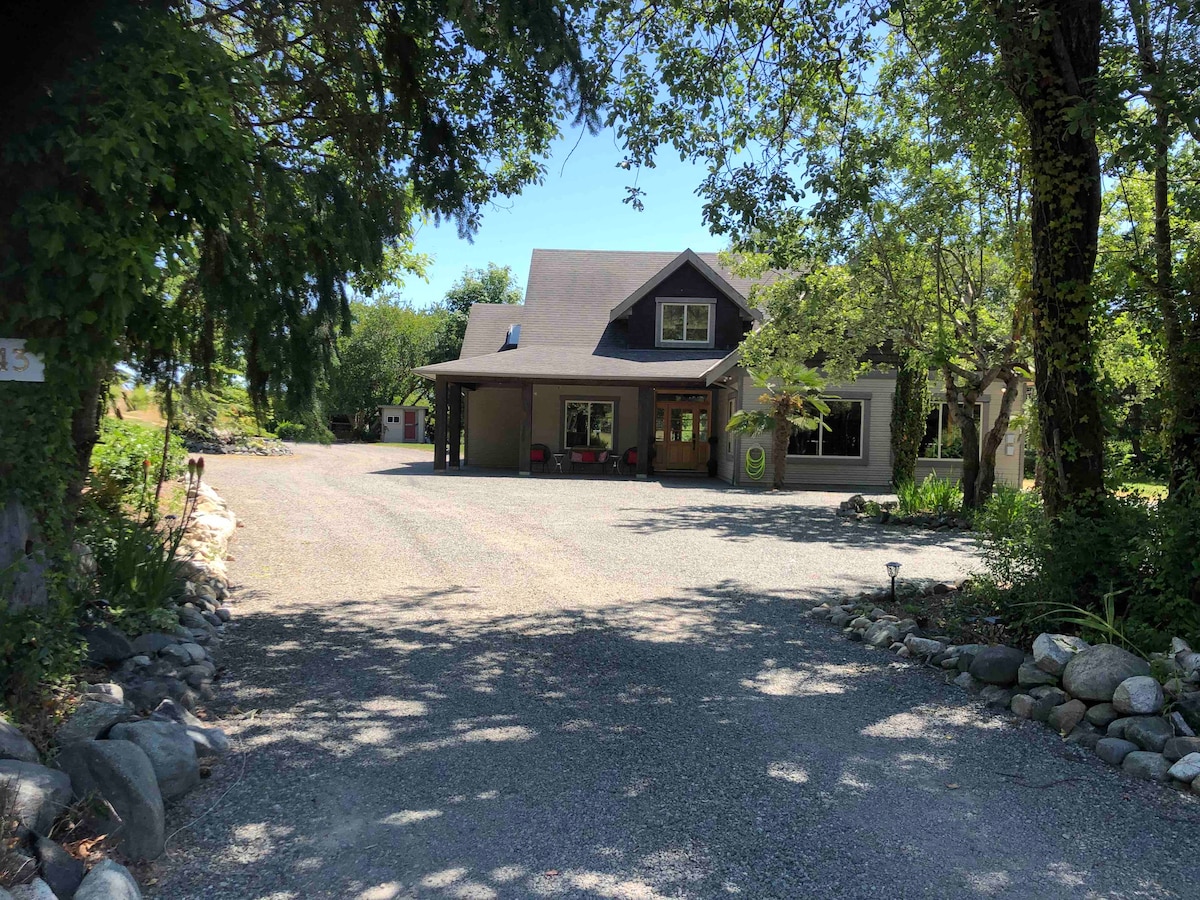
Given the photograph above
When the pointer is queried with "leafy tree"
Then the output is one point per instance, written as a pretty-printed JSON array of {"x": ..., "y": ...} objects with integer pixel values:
[
  {"x": 792, "y": 395},
  {"x": 910, "y": 405},
  {"x": 373, "y": 364}
]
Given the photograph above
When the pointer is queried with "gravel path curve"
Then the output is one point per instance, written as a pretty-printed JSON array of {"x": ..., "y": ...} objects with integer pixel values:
[{"x": 491, "y": 687}]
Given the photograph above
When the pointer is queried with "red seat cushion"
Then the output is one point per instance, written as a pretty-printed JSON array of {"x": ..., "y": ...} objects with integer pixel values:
[
  {"x": 633, "y": 458},
  {"x": 588, "y": 456},
  {"x": 537, "y": 455}
]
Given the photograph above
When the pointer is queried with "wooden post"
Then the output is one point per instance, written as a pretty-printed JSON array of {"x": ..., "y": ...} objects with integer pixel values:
[
  {"x": 455, "y": 435},
  {"x": 645, "y": 432},
  {"x": 439, "y": 425},
  {"x": 523, "y": 466}
]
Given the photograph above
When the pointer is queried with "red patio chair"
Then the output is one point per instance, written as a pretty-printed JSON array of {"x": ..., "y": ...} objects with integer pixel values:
[{"x": 539, "y": 454}]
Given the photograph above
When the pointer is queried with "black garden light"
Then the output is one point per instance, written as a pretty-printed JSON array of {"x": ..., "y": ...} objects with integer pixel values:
[{"x": 893, "y": 569}]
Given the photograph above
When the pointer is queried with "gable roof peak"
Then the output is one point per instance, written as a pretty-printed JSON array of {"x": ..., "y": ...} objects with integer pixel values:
[{"x": 687, "y": 257}]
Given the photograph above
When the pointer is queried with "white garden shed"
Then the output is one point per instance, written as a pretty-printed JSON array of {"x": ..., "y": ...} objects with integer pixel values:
[{"x": 402, "y": 424}]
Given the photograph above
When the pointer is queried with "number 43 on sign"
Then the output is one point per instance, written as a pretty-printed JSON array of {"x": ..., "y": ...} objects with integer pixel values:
[{"x": 18, "y": 364}]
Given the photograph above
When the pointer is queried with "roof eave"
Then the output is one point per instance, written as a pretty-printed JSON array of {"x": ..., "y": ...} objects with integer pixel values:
[{"x": 687, "y": 256}]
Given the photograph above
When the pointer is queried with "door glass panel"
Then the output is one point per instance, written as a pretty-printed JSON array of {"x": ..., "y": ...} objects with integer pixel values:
[
  {"x": 703, "y": 436},
  {"x": 687, "y": 425},
  {"x": 659, "y": 415},
  {"x": 676, "y": 425}
]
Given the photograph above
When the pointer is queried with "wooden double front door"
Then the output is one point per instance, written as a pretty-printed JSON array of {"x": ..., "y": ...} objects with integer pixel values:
[{"x": 681, "y": 424}]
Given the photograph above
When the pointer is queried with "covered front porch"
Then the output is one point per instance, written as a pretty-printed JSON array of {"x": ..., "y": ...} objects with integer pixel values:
[{"x": 562, "y": 427}]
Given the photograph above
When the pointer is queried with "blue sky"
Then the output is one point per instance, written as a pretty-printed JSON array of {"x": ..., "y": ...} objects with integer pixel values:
[{"x": 578, "y": 207}]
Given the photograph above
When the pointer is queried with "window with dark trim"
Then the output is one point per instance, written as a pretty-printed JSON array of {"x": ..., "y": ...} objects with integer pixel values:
[
  {"x": 942, "y": 439},
  {"x": 841, "y": 436},
  {"x": 588, "y": 423}
]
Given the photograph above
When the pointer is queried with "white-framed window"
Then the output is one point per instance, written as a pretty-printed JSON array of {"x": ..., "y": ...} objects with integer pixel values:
[
  {"x": 942, "y": 439},
  {"x": 686, "y": 323},
  {"x": 393, "y": 420},
  {"x": 841, "y": 436},
  {"x": 589, "y": 423}
]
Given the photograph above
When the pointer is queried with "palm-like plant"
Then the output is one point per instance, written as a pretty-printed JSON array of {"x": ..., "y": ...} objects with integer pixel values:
[{"x": 792, "y": 395}]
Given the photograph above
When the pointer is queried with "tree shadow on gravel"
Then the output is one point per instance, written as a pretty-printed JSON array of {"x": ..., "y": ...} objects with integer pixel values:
[{"x": 707, "y": 745}]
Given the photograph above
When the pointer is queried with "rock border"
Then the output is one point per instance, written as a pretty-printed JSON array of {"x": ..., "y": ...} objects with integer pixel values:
[{"x": 1102, "y": 697}]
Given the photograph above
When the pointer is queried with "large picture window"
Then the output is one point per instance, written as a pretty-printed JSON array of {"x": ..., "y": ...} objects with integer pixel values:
[
  {"x": 685, "y": 323},
  {"x": 842, "y": 436},
  {"x": 589, "y": 423},
  {"x": 943, "y": 439}
]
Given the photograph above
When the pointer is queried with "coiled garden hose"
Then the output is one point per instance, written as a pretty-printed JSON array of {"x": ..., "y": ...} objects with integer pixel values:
[{"x": 756, "y": 462}]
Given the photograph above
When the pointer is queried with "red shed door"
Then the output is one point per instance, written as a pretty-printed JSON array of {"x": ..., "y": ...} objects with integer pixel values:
[{"x": 410, "y": 426}]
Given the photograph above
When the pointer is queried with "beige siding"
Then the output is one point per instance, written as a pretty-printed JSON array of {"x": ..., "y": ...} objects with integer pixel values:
[
  {"x": 1009, "y": 466},
  {"x": 727, "y": 458},
  {"x": 549, "y": 399},
  {"x": 493, "y": 427}
]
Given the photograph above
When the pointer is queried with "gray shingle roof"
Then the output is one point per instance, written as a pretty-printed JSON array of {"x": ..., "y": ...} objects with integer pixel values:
[{"x": 565, "y": 319}]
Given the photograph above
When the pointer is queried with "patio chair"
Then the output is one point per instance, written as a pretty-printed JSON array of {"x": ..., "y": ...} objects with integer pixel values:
[
  {"x": 629, "y": 460},
  {"x": 539, "y": 454}
]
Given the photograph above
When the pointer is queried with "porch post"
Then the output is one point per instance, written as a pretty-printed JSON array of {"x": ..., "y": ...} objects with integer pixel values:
[
  {"x": 455, "y": 435},
  {"x": 645, "y": 433},
  {"x": 439, "y": 424},
  {"x": 523, "y": 466}
]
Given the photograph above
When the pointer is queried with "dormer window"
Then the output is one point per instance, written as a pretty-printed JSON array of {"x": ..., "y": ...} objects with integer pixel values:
[{"x": 685, "y": 323}]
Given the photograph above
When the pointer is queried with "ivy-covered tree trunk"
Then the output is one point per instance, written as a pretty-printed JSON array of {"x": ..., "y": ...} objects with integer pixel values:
[
  {"x": 910, "y": 405},
  {"x": 1051, "y": 54},
  {"x": 985, "y": 481}
]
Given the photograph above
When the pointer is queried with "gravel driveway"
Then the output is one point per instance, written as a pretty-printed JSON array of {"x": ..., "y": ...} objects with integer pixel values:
[{"x": 471, "y": 686}]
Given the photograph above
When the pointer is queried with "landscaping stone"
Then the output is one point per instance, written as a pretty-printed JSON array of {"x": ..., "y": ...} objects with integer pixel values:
[
  {"x": 121, "y": 773},
  {"x": 196, "y": 676},
  {"x": 919, "y": 646},
  {"x": 151, "y": 644},
  {"x": 1094, "y": 674},
  {"x": 840, "y": 617},
  {"x": 997, "y": 665},
  {"x": 39, "y": 793},
  {"x": 35, "y": 890},
  {"x": 1147, "y": 765},
  {"x": 197, "y": 653},
  {"x": 108, "y": 881},
  {"x": 208, "y": 740},
  {"x": 90, "y": 720},
  {"x": 995, "y": 696},
  {"x": 969, "y": 682},
  {"x": 1052, "y": 652},
  {"x": 1022, "y": 705},
  {"x": 224, "y": 613},
  {"x": 1114, "y": 750},
  {"x": 169, "y": 750},
  {"x": 1140, "y": 695},
  {"x": 62, "y": 871},
  {"x": 176, "y": 654},
  {"x": 861, "y": 623},
  {"x": 881, "y": 634},
  {"x": 1064, "y": 717},
  {"x": 1188, "y": 706},
  {"x": 1178, "y": 747},
  {"x": 148, "y": 693},
  {"x": 107, "y": 646},
  {"x": 1149, "y": 733},
  {"x": 14, "y": 745},
  {"x": 1102, "y": 714},
  {"x": 1029, "y": 675},
  {"x": 1046, "y": 701},
  {"x": 966, "y": 656},
  {"x": 109, "y": 692},
  {"x": 1085, "y": 735},
  {"x": 950, "y": 662},
  {"x": 1186, "y": 769},
  {"x": 193, "y": 619}
]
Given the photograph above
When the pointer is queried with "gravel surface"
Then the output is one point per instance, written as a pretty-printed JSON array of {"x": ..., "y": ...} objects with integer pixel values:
[{"x": 472, "y": 686}]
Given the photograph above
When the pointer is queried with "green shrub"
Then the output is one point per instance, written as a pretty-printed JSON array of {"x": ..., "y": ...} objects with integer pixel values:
[
  {"x": 119, "y": 459},
  {"x": 933, "y": 496},
  {"x": 1133, "y": 564},
  {"x": 311, "y": 432},
  {"x": 40, "y": 652}
]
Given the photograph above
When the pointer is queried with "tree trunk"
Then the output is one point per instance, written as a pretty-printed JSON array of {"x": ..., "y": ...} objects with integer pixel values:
[
  {"x": 985, "y": 482},
  {"x": 908, "y": 420},
  {"x": 779, "y": 445},
  {"x": 85, "y": 431},
  {"x": 1051, "y": 54}
]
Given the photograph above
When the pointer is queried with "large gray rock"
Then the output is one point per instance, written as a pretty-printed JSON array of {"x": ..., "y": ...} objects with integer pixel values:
[
  {"x": 148, "y": 693},
  {"x": 1177, "y": 748},
  {"x": 968, "y": 682},
  {"x": 151, "y": 644},
  {"x": 90, "y": 720},
  {"x": 35, "y": 890},
  {"x": 62, "y": 871},
  {"x": 881, "y": 634},
  {"x": 1064, "y": 717},
  {"x": 1045, "y": 700},
  {"x": 1022, "y": 706},
  {"x": 108, "y": 881},
  {"x": 107, "y": 646},
  {"x": 14, "y": 745},
  {"x": 997, "y": 665},
  {"x": 1188, "y": 705},
  {"x": 1150, "y": 766},
  {"x": 1093, "y": 674},
  {"x": 39, "y": 793},
  {"x": 1186, "y": 769},
  {"x": 1114, "y": 750},
  {"x": 1149, "y": 733},
  {"x": 1052, "y": 652},
  {"x": 207, "y": 739},
  {"x": 25, "y": 571},
  {"x": 1102, "y": 714},
  {"x": 175, "y": 653},
  {"x": 1140, "y": 695},
  {"x": 122, "y": 774},
  {"x": 170, "y": 751},
  {"x": 1029, "y": 675},
  {"x": 919, "y": 646}
]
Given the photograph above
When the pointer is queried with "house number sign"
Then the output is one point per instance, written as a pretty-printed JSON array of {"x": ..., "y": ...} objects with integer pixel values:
[{"x": 18, "y": 364}]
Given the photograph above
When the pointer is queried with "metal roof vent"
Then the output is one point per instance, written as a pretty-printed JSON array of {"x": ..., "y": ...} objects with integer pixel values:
[{"x": 512, "y": 338}]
